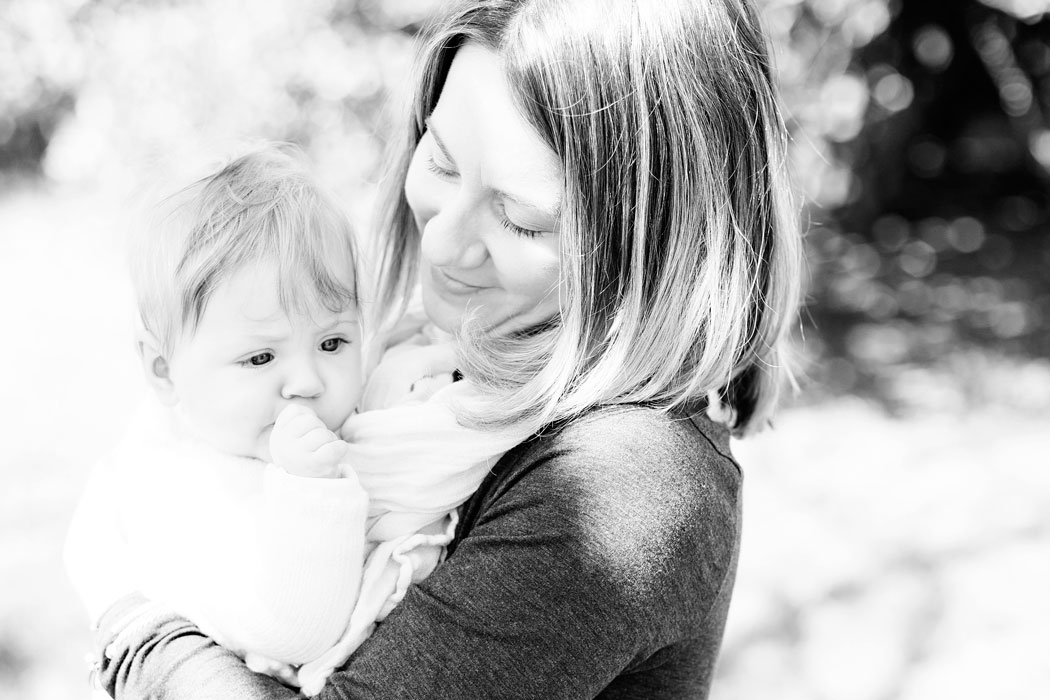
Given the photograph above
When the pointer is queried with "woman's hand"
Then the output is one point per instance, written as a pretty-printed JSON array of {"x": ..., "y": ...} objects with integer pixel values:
[
  {"x": 124, "y": 624},
  {"x": 409, "y": 372},
  {"x": 146, "y": 654},
  {"x": 131, "y": 616}
]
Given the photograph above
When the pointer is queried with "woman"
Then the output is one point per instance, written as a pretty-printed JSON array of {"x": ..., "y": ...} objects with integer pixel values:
[{"x": 591, "y": 193}]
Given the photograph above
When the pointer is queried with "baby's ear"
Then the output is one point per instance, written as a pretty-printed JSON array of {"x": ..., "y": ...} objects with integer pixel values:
[{"x": 156, "y": 367}]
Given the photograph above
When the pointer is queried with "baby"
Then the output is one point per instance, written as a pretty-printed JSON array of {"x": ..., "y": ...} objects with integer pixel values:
[{"x": 234, "y": 500}]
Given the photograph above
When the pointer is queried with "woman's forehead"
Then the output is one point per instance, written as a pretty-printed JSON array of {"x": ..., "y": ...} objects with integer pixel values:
[{"x": 478, "y": 122}]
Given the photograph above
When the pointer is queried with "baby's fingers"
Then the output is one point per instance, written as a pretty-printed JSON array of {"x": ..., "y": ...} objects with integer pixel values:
[
  {"x": 315, "y": 438},
  {"x": 331, "y": 452},
  {"x": 302, "y": 423},
  {"x": 293, "y": 415}
]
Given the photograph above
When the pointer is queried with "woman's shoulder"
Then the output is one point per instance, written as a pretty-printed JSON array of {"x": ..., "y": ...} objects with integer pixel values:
[
  {"x": 630, "y": 476},
  {"x": 646, "y": 500},
  {"x": 648, "y": 433},
  {"x": 636, "y": 446}
]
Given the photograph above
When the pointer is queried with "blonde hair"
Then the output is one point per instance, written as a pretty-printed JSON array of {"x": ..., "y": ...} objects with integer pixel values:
[
  {"x": 680, "y": 252},
  {"x": 263, "y": 207}
]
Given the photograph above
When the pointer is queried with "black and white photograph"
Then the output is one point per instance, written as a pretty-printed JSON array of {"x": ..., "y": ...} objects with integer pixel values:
[{"x": 493, "y": 349}]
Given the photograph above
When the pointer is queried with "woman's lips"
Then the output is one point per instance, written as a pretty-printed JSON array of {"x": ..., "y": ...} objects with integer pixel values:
[{"x": 452, "y": 284}]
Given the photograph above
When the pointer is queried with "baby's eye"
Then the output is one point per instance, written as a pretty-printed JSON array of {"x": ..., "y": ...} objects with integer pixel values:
[
  {"x": 332, "y": 344},
  {"x": 259, "y": 359}
]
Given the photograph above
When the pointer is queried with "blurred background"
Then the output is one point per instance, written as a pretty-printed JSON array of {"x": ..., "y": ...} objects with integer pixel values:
[{"x": 897, "y": 538}]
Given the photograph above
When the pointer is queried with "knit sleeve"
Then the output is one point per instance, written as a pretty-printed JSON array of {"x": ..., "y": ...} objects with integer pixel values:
[
  {"x": 583, "y": 559},
  {"x": 284, "y": 585},
  {"x": 263, "y": 561},
  {"x": 586, "y": 560}
]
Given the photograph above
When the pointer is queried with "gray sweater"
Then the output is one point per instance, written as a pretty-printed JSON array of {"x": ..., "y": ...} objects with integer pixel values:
[{"x": 596, "y": 560}]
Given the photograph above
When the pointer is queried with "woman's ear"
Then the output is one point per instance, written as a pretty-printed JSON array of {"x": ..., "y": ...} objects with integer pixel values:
[{"x": 156, "y": 367}]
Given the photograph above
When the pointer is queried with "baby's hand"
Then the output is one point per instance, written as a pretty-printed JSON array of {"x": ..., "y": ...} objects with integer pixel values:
[{"x": 302, "y": 445}]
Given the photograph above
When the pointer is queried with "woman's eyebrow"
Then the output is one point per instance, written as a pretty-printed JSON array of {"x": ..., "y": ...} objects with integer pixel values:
[
  {"x": 553, "y": 212},
  {"x": 437, "y": 139}
]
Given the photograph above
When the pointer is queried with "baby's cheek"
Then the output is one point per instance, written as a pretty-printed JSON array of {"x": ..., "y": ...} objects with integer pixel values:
[
  {"x": 351, "y": 389},
  {"x": 337, "y": 415},
  {"x": 262, "y": 446},
  {"x": 252, "y": 424}
]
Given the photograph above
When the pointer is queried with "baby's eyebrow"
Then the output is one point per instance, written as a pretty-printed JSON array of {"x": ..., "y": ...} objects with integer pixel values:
[
  {"x": 344, "y": 318},
  {"x": 264, "y": 338}
]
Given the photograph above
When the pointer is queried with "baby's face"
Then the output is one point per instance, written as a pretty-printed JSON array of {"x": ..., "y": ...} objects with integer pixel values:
[{"x": 248, "y": 359}]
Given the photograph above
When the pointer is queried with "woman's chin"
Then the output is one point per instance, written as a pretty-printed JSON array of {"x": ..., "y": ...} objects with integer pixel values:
[
  {"x": 489, "y": 311},
  {"x": 440, "y": 312},
  {"x": 451, "y": 317}
]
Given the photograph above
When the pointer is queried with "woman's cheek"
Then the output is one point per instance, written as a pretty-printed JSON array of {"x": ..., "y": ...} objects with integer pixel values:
[{"x": 534, "y": 268}]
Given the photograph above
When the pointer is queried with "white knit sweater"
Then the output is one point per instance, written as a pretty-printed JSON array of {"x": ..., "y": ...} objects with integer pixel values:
[{"x": 279, "y": 567}]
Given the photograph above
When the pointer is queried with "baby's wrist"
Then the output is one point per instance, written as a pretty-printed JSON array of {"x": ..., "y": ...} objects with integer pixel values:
[
  {"x": 308, "y": 465},
  {"x": 314, "y": 471}
]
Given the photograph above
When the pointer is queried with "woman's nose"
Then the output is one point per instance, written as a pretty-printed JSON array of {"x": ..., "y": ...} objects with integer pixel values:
[
  {"x": 302, "y": 381},
  {"x": 451, "y": 238}
]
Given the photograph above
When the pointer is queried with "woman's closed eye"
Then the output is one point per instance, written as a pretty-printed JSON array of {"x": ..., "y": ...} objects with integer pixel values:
[
  {"x": 440, "y": 170},
  {"x": 518, "y": 230},
  {"x": 530, "y": 230}
]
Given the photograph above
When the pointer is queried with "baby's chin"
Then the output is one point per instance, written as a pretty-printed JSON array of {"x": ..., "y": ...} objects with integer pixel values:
[
  {"x": 257, "y": 450},
  {"x": 235, "y": 445},
  {"x": 260, "y": 452}
]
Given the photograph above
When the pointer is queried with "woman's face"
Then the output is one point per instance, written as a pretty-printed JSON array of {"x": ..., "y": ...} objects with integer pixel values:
[{"x": 485, "y": 192}]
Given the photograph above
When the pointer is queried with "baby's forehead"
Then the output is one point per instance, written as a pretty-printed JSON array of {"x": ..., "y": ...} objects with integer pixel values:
[
  {"x": 309, "y": 313},
  {"x": 257, "y": 296},
  {"x": 305, "y": 310}
]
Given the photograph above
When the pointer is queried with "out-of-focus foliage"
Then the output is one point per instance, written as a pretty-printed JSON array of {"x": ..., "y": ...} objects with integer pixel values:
[
  {"x": 922, "y": 145},
  {"x": 921, "y": 142},
  {"x": 113, "y": 89}
]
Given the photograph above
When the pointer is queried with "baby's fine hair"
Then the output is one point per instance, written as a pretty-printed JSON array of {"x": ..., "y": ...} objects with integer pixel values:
[{"x": 261, "y": 208}]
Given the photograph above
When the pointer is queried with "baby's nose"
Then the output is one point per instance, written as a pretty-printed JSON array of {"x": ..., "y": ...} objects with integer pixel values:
[{"x": 302, "y": 382}]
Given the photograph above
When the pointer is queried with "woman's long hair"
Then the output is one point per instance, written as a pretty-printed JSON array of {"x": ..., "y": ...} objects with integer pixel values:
[{"x": 680, "y": 251}]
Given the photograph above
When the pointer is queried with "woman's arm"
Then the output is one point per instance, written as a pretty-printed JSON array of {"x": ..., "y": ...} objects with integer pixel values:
[
  {"x": 167, "y": 657},
  {"x": 574, "y": 567},
  {"x": 508, "y": 615}
]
